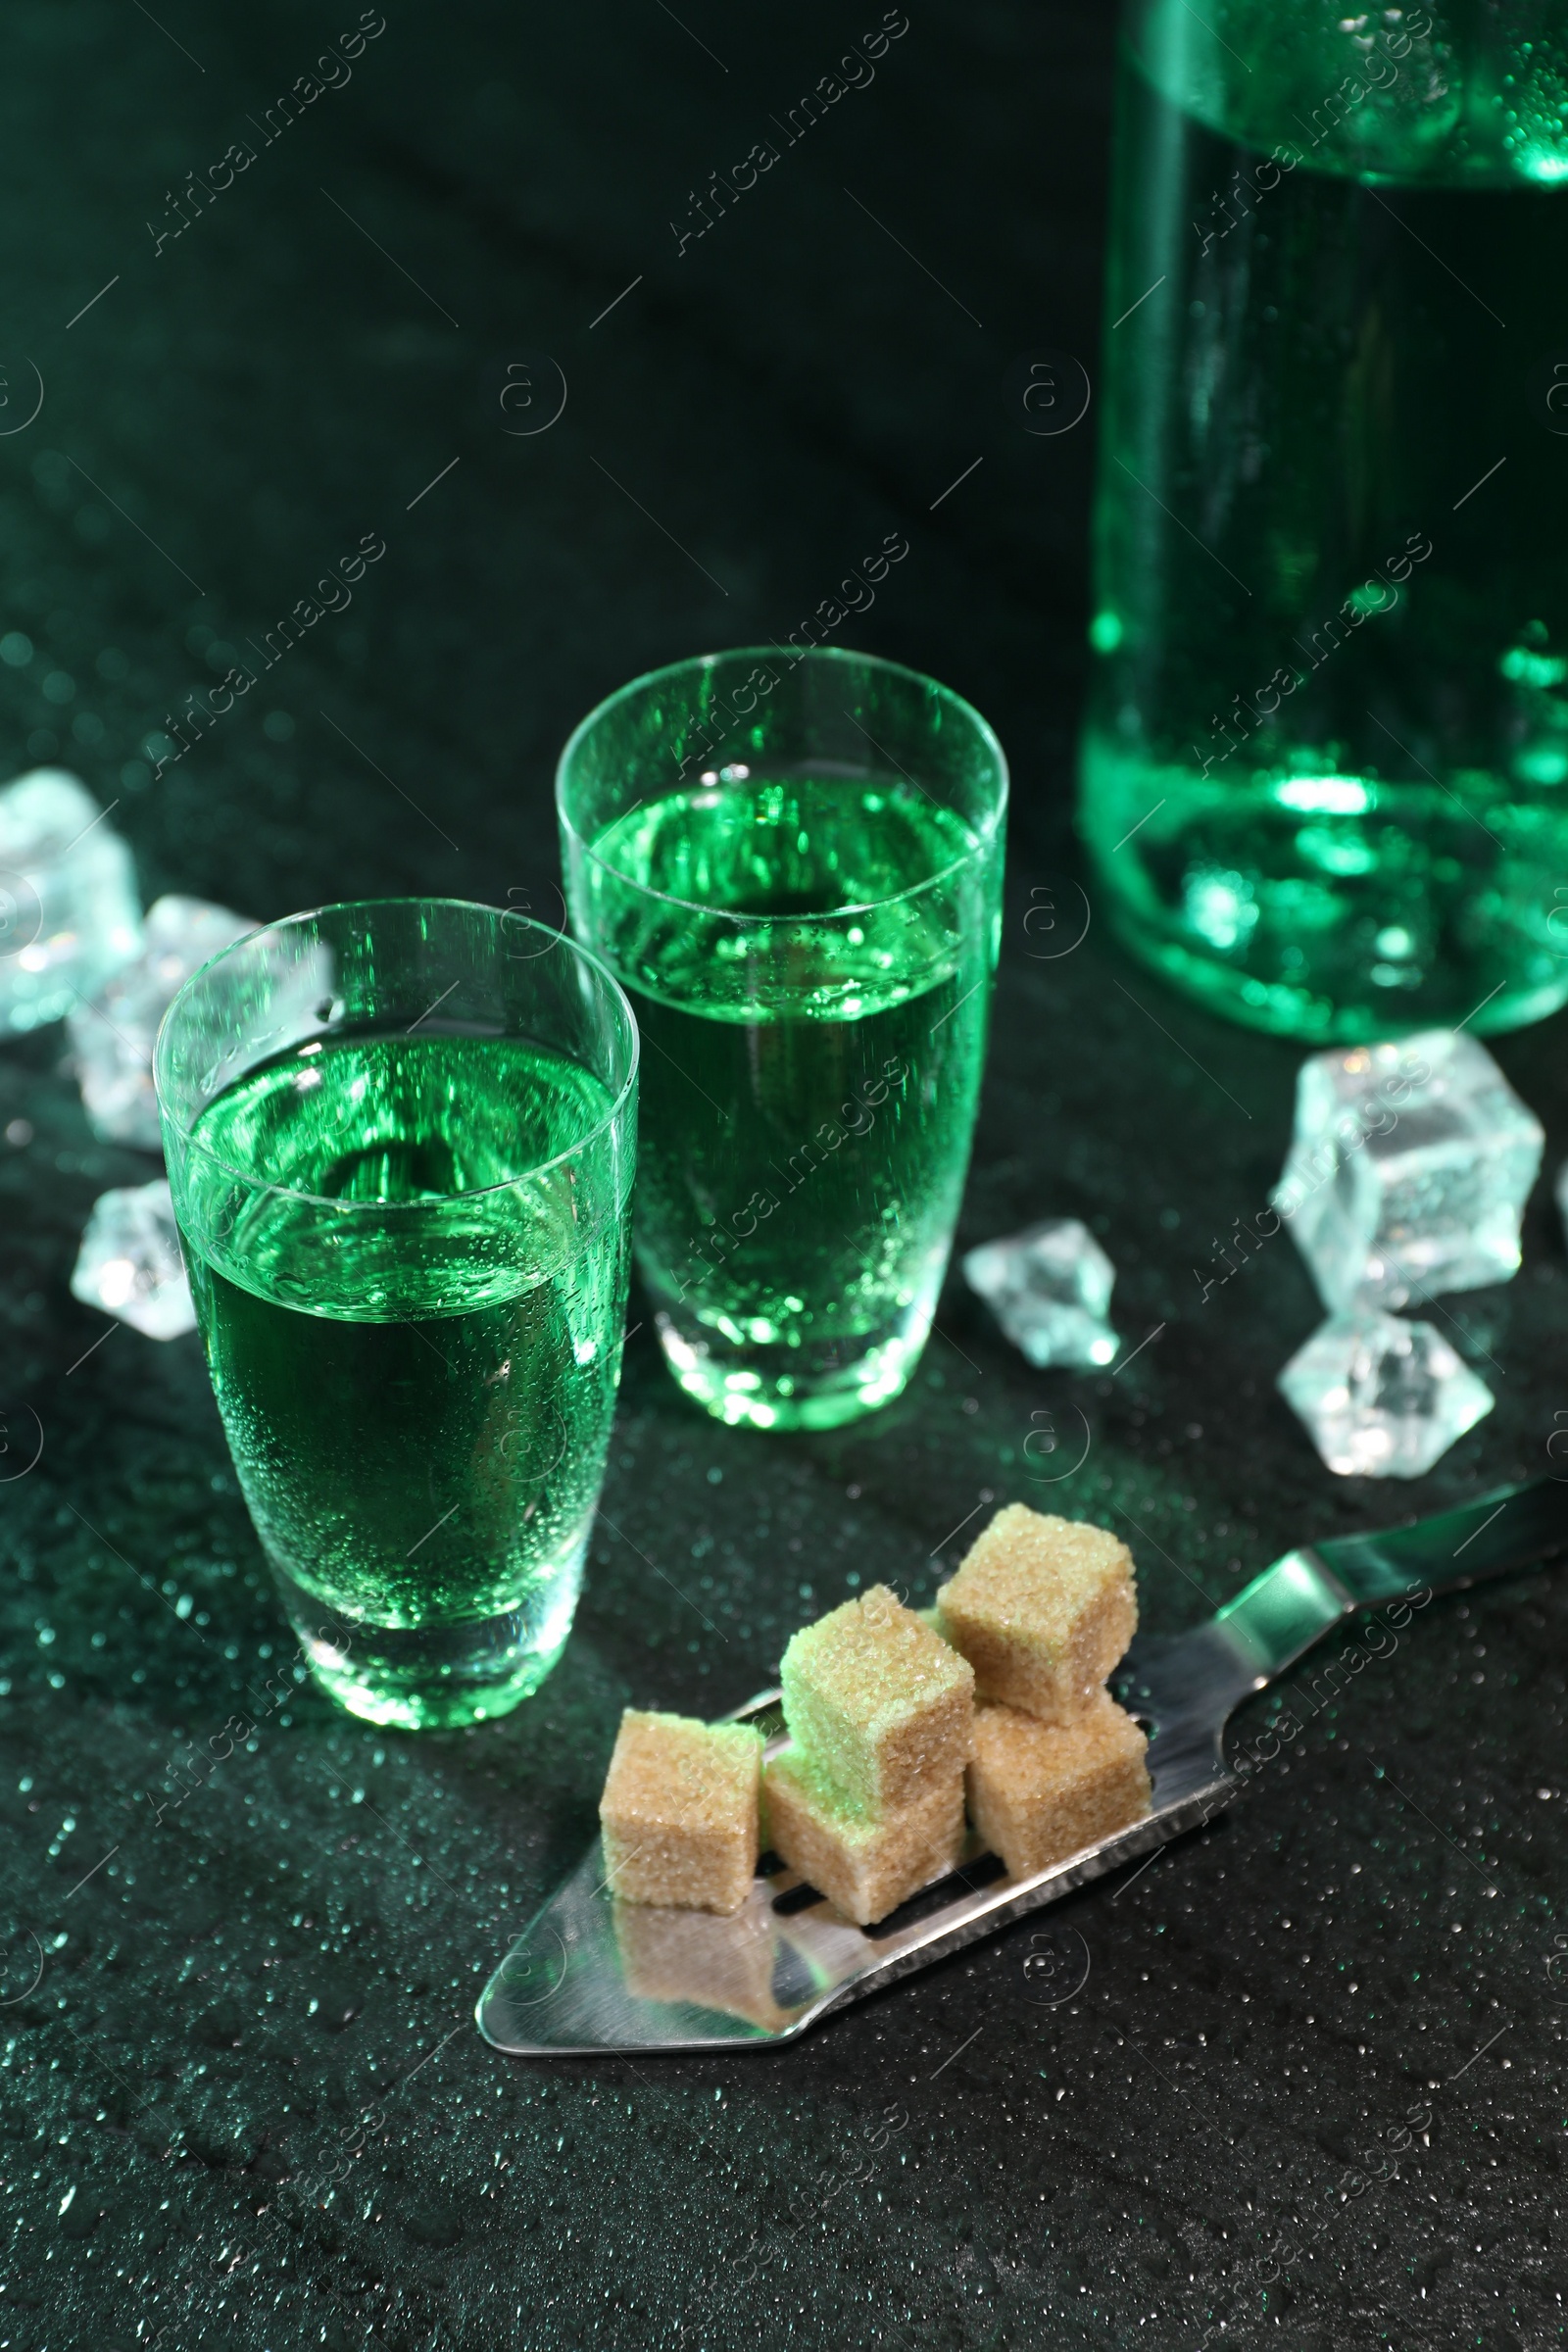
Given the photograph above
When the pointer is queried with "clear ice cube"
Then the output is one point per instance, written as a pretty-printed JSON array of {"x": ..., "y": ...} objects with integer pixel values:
[
  {"x": 1048, "y": 1287},
  {"x": 1408, "y": 1170},
  {"x": 1382, "y": 1397},
  {"x": 69, "y": 906},
  {"x": 113, "y": 1030},
  {"x": 130, "y": 1263}
]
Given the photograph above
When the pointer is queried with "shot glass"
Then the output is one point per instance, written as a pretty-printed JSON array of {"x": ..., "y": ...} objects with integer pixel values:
[
  {"x": 793, "y": 863},
  {"x": 401, "y": 1142}
]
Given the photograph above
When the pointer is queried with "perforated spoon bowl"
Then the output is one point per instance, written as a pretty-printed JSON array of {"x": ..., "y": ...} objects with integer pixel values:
[{"x": 590, "y": 1975}]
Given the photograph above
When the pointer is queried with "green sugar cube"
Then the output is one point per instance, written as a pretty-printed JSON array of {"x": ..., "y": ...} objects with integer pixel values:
[{"x": 879, "y": 1705}]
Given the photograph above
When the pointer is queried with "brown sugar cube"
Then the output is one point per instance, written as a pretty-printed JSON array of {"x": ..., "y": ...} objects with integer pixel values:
[
  {"x": 1043, "y": 1608},
  {"x": 680, "y": 1812},
  {"x": 705, "y": 1962},
  {"x": 880, "y": 1704},
  {"x": 867, "y": 1868},
  {"x": 1040, "y": 1792}
]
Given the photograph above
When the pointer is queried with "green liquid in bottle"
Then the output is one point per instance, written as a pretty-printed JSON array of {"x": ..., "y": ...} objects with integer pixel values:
[
  {"x": 414, "y": 1340},
  {"x": 1326, "y": 763},
  {"x": 808, "y": 1082}
]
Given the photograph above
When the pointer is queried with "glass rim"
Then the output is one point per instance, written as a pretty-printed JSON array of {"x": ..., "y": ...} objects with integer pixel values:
[
  {"x": 162, "y": 1047},
  {"x": 817, "y": 653}
]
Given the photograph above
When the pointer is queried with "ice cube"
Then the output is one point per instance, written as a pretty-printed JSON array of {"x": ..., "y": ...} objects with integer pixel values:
[
  {"x": 114, "y": 1030},
  {"x": 69, "y": 907},
  {"x": 1382, "y": 1397},
  {"x": 129, "y": 1263},
  {"x": 1408, "y": 1170},
  {"x": 1048, "y": 1287}
]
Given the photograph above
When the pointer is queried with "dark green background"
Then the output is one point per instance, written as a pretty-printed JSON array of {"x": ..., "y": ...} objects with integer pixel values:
[{"x": 285, "y": 1965}]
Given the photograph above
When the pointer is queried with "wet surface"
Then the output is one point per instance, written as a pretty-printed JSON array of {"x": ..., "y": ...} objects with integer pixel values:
[{"x": 1299, "y": 2082}]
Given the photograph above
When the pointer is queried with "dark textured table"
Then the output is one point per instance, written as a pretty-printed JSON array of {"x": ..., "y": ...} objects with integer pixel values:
[{"x": 1310, "y": 2090}]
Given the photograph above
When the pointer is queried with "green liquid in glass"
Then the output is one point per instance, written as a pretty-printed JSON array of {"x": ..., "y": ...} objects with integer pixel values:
[
  {"x": 1325, "y": 772},
  {"x": 808, "y": 1082},
  {"x": 417, "y": 1384}
]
